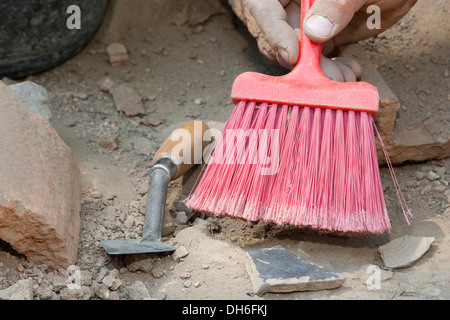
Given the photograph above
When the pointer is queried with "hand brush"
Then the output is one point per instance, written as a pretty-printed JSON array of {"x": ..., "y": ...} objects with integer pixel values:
[{"x": 298, "y": 149}]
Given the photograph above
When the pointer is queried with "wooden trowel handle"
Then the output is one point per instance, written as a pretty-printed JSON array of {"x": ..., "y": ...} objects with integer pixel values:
[{"x": 184, "y": 146}]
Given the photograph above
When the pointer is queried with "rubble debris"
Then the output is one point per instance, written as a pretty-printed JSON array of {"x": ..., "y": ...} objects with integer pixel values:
[
  {"x": 127, "y": 100},
  {"x": 179, "y": 253},
  {"x": 432, "y": 176},
  {"x": 182, "y": 217},
  {"x": 157, "y": 273},
  {"x": 109, "y": 143},
  {"x": 80, "y": 95},
  {"x": 106, "y": 85},
  {"x": 152, "y": 121},
  {"x": 144, "y": 265},
  {"x": 21, "y": 290},
  {"x": 117, "y": 54},
  {"x": 112, "y": 282},
  {"x": 138, "y": 291}
]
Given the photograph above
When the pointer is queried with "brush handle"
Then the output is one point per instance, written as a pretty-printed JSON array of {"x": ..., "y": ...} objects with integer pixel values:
[
  {"x": 307, "y": 69},
  {"x": 186, "y": 138}
]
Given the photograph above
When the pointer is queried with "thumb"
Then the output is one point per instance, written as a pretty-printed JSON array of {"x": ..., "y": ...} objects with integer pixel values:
[{"x": 327, "y": 18}]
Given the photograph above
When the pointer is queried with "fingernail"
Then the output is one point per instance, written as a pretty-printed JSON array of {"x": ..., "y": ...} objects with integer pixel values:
[
  {"x": 283, "y": 58},
  {"x": 320, "y": 25}
]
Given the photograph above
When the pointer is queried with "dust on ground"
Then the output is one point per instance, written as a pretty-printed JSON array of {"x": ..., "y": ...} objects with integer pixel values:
[{"x": 184, "y": 73}]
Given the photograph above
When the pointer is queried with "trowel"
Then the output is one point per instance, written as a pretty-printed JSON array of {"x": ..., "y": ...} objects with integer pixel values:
[{"x": 170, "y": 162}]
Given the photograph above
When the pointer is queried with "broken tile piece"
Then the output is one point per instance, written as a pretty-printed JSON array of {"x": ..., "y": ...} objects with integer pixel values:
[
  {"x": 117, "y": 54},
  {"x": 404, "y": 251},
  {"x": 278, "y": 270},
  {"x": 127, "y": 100}
]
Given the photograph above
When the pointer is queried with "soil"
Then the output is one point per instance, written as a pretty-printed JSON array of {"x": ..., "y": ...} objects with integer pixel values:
[{"x": 185, "y": 72}]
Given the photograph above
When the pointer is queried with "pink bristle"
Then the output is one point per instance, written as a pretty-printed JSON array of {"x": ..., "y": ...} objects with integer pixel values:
[
  {"x": 377, "y": 211},
  {"x": 234, "y": 155},
  {"x": 271, "y": 192},
  {"x": 277, "y": 206},
  {"x": 256, "y": 200},
  {"x": 406, "y": 212},
  {"x": 350, "y": 218},
  {"x": 209, "y": 189},
  {"x": 325, "y": 196},
  {"x": 298, "y": 209},
  {"x": 339, "y": 166},
  {"x": 245, "y": 172},
  {"x": 310, "y": 183}
]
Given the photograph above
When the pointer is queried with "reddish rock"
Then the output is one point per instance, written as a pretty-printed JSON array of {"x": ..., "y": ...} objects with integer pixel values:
[
  {"x": 40, "y": 187},
  {"x": 109, "y": 143}
]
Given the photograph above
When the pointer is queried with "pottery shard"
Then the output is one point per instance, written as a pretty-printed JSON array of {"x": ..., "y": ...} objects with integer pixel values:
[
  {"x": 278, "y": 270},
  {"x": 127, "y": 100},
  {"x": 40, "y": 187},
  {"x": 404, "y": 251}
]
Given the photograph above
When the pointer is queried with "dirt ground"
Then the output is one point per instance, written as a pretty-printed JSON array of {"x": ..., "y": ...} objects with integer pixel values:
[{"x": 183, "y": 73}]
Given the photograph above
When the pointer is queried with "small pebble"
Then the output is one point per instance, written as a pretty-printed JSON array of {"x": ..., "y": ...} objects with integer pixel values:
[{"x": 432, "y": 176}]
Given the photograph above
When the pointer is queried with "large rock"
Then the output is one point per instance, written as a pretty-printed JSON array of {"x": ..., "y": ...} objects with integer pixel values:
[{"x": 40, "y": 187}]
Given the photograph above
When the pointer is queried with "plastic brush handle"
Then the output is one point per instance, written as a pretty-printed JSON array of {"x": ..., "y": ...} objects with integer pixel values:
[
  {"x": 308, "y": 65},
  {"x": 306, "y": 85}
]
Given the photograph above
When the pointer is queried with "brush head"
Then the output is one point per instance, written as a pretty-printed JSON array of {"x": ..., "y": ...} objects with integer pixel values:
[
  {"x": 303, "y": 89},
  {"x": 307, "y": 167}
]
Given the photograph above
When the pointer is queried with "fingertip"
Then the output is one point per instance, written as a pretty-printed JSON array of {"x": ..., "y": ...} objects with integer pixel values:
[
  {"x": 331, "y": 70},
  {"x": 352, "y": 64},
  {"x": 326, "y": 18},
  {"x": 284, "y": 59},
  {"x": 318, "y": 28},
  {"x": 347, "y": 72}
]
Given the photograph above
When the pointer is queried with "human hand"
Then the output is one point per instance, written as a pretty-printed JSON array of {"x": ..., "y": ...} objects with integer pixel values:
[{"x": 330, "y": 22}]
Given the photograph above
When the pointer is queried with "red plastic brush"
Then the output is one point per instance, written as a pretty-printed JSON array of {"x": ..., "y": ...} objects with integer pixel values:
[{"x": 298, "y": 149}]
